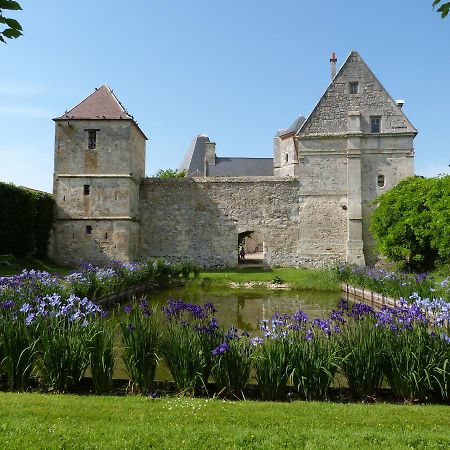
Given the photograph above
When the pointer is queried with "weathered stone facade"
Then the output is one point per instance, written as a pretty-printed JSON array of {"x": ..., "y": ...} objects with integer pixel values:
[{"x": 315, "y": 210}]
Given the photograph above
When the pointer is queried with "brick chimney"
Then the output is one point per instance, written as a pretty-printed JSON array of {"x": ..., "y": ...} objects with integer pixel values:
[{"x": 333, "y": 61}]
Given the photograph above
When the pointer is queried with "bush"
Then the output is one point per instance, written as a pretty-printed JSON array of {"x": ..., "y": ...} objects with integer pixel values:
[{"x": 25, "y": 222}]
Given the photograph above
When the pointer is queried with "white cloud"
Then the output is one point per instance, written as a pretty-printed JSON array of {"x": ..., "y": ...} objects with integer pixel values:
[
  {"x": 26, "y": 111},
  {"x": 22, "y": 90}
]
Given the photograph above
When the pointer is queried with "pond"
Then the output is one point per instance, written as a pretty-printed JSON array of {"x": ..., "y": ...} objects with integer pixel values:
[
  {"x": 246, "y": 308},
  {"x": 243, "y": 308}
]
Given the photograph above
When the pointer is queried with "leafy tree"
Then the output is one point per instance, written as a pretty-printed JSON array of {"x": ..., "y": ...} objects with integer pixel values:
[
  {"x": 11, "y": 28},
  {"x": 170, "y": 173},
  {"x": 444, "y": 8},
  {"x": 411, "y": 223}
]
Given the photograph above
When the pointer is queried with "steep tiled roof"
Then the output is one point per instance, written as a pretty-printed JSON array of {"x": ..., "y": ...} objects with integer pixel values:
[{"x": 102, "y": 104}]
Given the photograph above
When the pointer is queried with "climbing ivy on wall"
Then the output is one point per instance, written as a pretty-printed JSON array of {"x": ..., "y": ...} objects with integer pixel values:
[{"x": 25, "y": 220}]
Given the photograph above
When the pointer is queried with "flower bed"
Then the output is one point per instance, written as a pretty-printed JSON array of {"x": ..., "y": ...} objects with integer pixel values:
[
  {"x": 52, "y": 339},
  {"x": 395, "y": 284}
]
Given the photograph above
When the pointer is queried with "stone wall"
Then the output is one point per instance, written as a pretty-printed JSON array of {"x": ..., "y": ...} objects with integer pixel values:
[{"x": 200, "y": 218}]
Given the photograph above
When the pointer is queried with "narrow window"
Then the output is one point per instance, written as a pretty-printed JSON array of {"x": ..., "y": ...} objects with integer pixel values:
[
  {"x": 106, "y": 235},
  {"x": 88, "y": 229},
  {"x": 286, "y": 157},
  {"x": 380, "y": 180},
  {"x": 353, "y": 87},
  {"x": 375, "y": 124},
  {"x": 92, "y": 139},
  {"x": 64, "y": 198},
  {"x": 86, "y": 189}
]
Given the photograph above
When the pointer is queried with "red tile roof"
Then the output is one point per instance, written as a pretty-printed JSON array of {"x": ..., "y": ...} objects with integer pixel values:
[{"x": 102, "y": 104}]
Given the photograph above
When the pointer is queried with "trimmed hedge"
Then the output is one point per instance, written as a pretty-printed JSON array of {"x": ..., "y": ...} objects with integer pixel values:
[{"x": 26, "y": 217}]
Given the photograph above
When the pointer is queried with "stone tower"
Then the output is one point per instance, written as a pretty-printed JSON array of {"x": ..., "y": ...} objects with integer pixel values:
[
  {"x": 99, "y": 165},
  {"x": 356, "y": 144}
]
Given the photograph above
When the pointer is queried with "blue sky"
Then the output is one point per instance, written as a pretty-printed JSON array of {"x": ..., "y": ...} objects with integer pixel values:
[{"x": 235, "y": 70}]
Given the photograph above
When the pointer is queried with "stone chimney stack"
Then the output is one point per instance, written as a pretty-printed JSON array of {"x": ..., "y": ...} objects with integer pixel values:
[{"x": 333, "y": 61}]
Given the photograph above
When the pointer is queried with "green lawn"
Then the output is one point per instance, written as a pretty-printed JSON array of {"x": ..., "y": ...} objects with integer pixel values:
[
  {"x": 316, "y": 279},
  {"x": 68, "y": 421}
]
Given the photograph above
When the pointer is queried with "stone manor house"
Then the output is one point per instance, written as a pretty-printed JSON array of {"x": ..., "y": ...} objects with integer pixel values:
[{"x": 310, "y": 204}]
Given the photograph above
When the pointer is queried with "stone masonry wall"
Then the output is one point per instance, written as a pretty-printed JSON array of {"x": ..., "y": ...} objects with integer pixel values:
[{"x": 200, "y": 218}]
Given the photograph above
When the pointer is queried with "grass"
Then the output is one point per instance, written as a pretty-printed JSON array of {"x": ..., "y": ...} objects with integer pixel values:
[
  {"x": 76, "y": 422},
  {"x": 302, "y": 279},
  {"x": 10, "y": 265}
]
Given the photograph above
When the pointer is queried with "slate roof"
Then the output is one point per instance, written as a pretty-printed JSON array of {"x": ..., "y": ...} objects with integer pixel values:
[
  {"x": 194, "y": 159},
  {"x": 102, "y": 104},
  {"x": 295, "y": 126},
  {"x": 241, "y": 167}
]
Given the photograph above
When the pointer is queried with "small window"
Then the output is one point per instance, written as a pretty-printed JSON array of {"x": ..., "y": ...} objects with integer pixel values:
[
  {"x": 64, "y": 198},
  {"x": 354, "y": 87},
  {"x": 375, "y": 124},
  {"x": 286, "y": 158},
  {"x": 88, "y": 229},
  {"x": 106, "y": 235},
  {"x": 92, "y": 139},
  {"x": 86, "y": 189},
  {"x": 380, "y": 180}
]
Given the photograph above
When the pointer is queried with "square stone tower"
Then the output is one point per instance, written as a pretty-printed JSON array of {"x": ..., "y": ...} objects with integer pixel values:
[
  {"x": 356, "y": 144},
  {"x": 99, "y": 164}
]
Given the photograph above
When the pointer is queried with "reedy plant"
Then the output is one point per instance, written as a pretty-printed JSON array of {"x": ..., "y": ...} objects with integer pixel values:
[
  {"x": 272, "y": 358},
  {"x": 189, "y": 336},
  {"x": 232, "y": 363},
  {"x": 410, "y": 361},
  {"x": 102, "y": 355},
  {"x": 313, "y": 356},
  {"x": 141, "y": 340},
  {"x": 17, "y": 347},
  {"x": 361, "y": 348},
  {"x": 64, "y": 330}
]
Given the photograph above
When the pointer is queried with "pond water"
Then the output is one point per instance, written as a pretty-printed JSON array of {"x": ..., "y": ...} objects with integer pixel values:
[
  {"x": 246, "y": 308},
  {"x": 242, "y": 308}
]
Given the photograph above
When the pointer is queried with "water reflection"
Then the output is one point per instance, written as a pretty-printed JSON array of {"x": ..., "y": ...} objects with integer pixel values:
[{"x": 245, "y": 309}]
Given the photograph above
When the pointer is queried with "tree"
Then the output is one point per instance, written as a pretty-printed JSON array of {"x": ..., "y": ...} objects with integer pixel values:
[
  {"x": 170, "y": 173},
  {"x": 444, "y": 8},
  {"x": 411, "y": 223},
  {"x": 11, "y": 28}
]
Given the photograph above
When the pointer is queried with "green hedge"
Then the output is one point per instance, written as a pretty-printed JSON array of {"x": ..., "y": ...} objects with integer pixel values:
[{"x": 26, "y": 217}]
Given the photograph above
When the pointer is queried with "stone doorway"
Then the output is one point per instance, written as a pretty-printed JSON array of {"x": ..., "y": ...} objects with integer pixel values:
[{"x": 252, "y": 244}]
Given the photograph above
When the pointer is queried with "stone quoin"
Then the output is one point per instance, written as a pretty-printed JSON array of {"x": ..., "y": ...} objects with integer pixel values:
[{"x": 309, "y": 205}]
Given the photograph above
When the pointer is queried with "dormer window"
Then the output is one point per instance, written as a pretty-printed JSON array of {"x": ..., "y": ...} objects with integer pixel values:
[
  {"x": 92, "y": 139},
  {"x": 354, "y": 87},
  {"x": 375, "y": 124}
]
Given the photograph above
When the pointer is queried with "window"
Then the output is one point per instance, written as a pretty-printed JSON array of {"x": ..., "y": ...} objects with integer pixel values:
[
  {"x": 286, "y": 158},
  {"x": 375, "y": 124},
  {"x": 353, "y": 87},
  {"x": 92, "y": 139},
  {"x": 86, "y": 189},
  {"x": 106, "y": 235},
  {"x": 88, "y": 229},
  {"x": 380, "y": 180}
]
